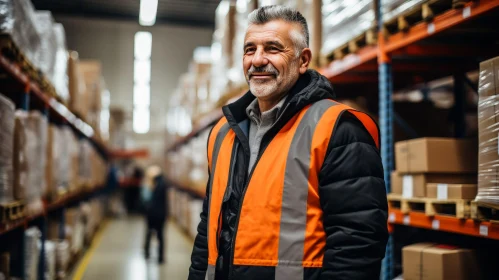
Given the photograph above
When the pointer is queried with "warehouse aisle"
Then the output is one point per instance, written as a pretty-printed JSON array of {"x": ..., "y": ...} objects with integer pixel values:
[{"x": 119, "y": 256}]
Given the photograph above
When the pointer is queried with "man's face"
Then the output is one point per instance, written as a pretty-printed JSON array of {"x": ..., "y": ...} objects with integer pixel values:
[{"x": 270, "y": 63}]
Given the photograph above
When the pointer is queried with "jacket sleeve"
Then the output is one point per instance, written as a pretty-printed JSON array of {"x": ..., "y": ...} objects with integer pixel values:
[
  {"x": 353, "y": 199},
  {"x": 199, "y": 257}
]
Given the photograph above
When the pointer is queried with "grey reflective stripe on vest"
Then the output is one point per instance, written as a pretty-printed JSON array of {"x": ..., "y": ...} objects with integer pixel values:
[
  {"x": 210, "y": 273},
  {"x": 295, "y": 195}
]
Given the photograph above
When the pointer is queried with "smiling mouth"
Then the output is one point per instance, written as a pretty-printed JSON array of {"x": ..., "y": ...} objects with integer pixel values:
[{"x": 262, "y": 75}]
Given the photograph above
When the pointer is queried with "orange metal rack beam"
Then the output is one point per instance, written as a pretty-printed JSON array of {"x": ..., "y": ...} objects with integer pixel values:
[
  {"x": 445, "y": 223},
  {"x": 122, "y": 154}
]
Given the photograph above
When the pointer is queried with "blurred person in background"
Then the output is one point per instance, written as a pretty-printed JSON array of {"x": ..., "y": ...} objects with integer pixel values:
[
  {"x": 132, "y": 192},
  {"x": 156, "y": 209},
  {"x": 296, "y": 188}
]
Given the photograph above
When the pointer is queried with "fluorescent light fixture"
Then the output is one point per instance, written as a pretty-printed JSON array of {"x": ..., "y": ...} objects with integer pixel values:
[
  {"x": 148, "y": 11},
  {"x": 141, "y": 120},
  {"x": 142, "y": 71},
  {"x": 143, "y": 45},
  {"x": 141, "y": 95}
]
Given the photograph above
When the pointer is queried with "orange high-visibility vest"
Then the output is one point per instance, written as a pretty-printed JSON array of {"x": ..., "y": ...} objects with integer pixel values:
[{"x": 280, "y": 222}]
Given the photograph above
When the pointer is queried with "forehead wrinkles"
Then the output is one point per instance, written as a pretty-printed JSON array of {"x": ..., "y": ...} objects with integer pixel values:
[{"x": 271, "y": 30}]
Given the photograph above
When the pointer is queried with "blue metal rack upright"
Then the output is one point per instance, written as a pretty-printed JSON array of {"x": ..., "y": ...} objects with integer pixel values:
[{"x": 386, "y": 127}]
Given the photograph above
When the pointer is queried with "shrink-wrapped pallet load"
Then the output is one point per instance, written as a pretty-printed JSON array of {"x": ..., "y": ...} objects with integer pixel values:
[
  {"x": 488, "y": 128},
  {"x": 7, "y": 121}
]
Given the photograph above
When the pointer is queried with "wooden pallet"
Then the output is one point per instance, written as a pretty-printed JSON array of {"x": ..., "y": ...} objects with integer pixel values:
[
  {"x": 368, "y": 38},
  {"x": 425, "y": 12},
  {"x": 12, "y": 211},
  {"x": 484, "y": 211},
  {"x": 459, "y": 208}
]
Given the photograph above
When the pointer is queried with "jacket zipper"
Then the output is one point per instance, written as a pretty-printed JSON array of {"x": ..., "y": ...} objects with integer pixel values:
[{"x": 248, "y": 180}]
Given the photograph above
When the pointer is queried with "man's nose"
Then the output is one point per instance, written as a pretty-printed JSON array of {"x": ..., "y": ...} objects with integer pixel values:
[{"x": 259, "y": 58}]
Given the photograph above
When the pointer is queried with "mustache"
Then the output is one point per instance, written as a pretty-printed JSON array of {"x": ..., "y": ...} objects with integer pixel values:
[{"x": 262, "y": 69}]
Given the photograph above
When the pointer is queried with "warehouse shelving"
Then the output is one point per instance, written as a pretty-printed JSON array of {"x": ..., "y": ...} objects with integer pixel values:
[
  {"x": 451, "y": 44},
  {"x": 18, "y": 85},
  {"x": 426, "y": 51},
  {"x": 33, "y": 95}
]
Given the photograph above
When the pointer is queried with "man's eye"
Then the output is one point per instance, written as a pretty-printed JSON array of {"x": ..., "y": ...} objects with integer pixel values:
[
  {"x": 249, "y": 50},
  {"x": 274, "y": 49}
]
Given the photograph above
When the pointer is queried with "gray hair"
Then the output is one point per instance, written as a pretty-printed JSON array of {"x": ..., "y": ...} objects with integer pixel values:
[{"x": 275, "y": 12}]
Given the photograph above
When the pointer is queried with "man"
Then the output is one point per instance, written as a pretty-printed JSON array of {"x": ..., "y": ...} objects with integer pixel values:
[
  {"x": 156, "y": 209},
  {"x": 296, "y": 187}
]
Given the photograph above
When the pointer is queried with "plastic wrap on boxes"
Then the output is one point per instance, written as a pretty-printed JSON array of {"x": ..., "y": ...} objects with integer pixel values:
[
  {"x": 62, "y": 257},
  {"x": 67, "y": 151},
  {"x": 55, "y": 150},
  {"x": 343, "y": 20},
  {"x": 17, "y": 18},
  {"x": 31, "y": 252},
  {"x": 48, "y": 46},
  {"x": 488, "y": 127},
  {"x": 36, "y": 135},
  {"x": 7, "y": 121},
  {"x": 21, "y": 156},
  {"x": 60, "y": 76}
]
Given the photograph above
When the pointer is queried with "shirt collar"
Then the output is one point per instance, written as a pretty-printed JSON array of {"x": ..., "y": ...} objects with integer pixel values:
[{"x": 268, "y": 117}]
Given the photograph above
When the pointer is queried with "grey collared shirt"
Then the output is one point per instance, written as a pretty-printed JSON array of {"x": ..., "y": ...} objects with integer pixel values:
[{"x": 260, "y": 123}]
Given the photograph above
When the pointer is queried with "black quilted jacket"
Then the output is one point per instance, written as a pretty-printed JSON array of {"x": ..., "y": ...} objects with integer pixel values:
[{"x": 352, "y": 193}]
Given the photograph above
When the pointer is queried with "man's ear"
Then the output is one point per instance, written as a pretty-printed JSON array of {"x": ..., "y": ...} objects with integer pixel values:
[{"x": 305, "y": 58}]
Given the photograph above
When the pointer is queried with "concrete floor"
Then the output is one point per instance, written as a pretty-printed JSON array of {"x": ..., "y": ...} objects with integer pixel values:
[{"x": 119, "y": 256}]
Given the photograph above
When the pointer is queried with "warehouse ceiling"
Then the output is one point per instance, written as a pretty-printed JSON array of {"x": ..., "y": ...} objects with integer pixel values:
[{"x": 199, "y": 13}]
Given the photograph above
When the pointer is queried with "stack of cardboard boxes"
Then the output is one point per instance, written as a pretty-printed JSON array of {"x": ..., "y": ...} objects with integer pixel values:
[
  {"x": 443, "y": 168},
  {"x": 488, "y": 126},
  {"x": 431, "y": 261}
]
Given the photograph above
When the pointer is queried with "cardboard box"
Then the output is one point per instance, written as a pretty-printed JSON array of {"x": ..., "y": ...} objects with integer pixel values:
[
  {"x": 436, "y": 155},
  {"x": 92, "y": 75},
  {"x": 451, "y": 191},
  {"x": 414, "y": 185},
  {"x": 436, "y": 262},
  {"x": 77, "y": 103},
  {"x": 397, "y": 182}
]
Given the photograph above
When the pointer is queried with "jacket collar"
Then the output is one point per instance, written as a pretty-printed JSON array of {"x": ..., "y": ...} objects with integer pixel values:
[{"x": 310, "y": 88}]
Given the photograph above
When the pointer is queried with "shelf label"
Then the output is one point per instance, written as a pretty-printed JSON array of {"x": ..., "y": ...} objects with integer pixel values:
[
  {"x": 484, "y": 230},
  {"x": 407, "y": 186},
  {"x": 467, "y": 12},
  {"x": 442, "y": 191},
  {"x": 431, "y": 28},
  {"x": 407, "y": 220},
  {"x": 435, "y": 224},
  {"x": 391, "y": 218}
]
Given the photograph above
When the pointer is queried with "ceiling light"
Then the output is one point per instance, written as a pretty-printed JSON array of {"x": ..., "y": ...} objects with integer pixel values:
[{"x": 148, "y": 11}]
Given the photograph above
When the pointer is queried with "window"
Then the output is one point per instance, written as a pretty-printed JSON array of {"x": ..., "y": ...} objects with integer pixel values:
[{"x": 142, "y": 82}]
